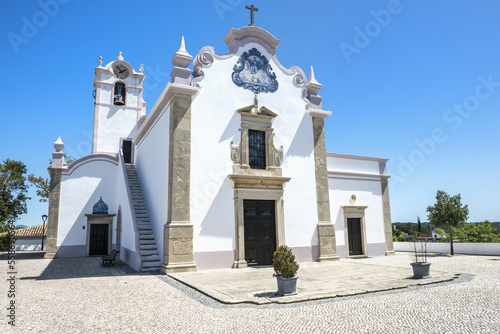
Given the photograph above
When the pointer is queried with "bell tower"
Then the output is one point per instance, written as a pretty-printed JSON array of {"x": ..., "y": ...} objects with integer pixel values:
[{"x": 118, "y": 105}]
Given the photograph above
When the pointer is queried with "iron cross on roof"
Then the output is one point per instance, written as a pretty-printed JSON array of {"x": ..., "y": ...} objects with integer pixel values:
[{"x": 252, "y": 9}]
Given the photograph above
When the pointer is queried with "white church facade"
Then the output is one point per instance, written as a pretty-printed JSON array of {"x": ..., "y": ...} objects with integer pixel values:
[{"x": 229, "y": 163}]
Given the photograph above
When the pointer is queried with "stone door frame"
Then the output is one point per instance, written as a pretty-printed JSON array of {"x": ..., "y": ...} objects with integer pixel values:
[
  {"x": 99, "y": 219},
  {"x": 355, "y": 212},
  {"x": 248, "y": 187}
]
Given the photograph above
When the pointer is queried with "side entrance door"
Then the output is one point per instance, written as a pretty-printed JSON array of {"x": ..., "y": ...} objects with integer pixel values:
[
  {"x": 354, "y": 233},
  {"x": 98, "y": 244},
  {"x": 260, "y": 232},
  {"x": 127, "y": 151}
]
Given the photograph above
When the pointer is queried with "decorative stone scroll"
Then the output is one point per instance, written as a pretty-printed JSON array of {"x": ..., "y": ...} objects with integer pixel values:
[
  {"x": 236, "y": 153},
  {"x": 253, "y": 72},
  {"x": 278, "y": 156}
]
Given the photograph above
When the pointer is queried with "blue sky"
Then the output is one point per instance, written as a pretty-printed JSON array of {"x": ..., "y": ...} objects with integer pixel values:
[{"x": 417, "y": 82}]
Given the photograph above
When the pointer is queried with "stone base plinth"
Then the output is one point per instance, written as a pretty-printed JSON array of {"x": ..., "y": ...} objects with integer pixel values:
[
  {"x": 177, "y": 268},
  {"x": 240, "y": 264},
  {"x": 178, "y": 248},
  {"x": 50, "y": 256},
  {"x": 327, "y": 244}
]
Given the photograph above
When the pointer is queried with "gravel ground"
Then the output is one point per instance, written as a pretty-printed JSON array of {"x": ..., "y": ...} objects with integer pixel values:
[{"x": 79, "y": 296}]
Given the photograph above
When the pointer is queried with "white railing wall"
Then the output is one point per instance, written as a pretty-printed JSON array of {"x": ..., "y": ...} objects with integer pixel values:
[{"x": 459, "y": 248}]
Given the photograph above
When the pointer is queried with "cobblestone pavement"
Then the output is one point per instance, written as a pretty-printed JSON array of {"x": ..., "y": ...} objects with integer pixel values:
[{"x": 79, "y": 296}]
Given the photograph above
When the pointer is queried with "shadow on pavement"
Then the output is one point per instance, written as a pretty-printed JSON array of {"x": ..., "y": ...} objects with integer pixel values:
[{"x": 64, "y": 268}]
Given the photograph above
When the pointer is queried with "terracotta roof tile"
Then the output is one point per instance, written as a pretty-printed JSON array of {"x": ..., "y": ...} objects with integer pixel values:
[{"x": 30, "y": 231}]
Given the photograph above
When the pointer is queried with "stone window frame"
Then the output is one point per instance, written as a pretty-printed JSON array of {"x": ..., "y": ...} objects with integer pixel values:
[
  {"x": 352, "y": 211},
  {"x": 99, "y": 219},
  {"x": 253, "y": 118}
]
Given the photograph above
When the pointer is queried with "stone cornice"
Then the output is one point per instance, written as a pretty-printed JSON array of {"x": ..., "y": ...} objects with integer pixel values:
[
  {"x": 354, "y": 207},
  {"x": 99, "y": 215},
  {"x": 258, "y": 180},
  {"x": 264, "y": 112},
  {"x": 355, "y": 157},
  {"x": 239, "y": 37},
  {"x": 108, "y": 67},
  {"x": 357, "y": 175},
  {"x": 111, "y": 158},
  {"x": 168, "y": 93},
  {"x": 113, "y": 83},
  {"x": 319, "y": 113}
]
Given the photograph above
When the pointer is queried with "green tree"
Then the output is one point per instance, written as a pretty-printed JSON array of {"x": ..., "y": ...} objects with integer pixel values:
[
  {"x": 448, "y": 212},
  {"x": 13, "y": 191}
]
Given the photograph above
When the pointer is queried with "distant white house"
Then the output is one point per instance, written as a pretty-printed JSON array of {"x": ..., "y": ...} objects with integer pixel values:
[
  {"x": 436, "y": 235},
  {"x": 30, "y": 238}
]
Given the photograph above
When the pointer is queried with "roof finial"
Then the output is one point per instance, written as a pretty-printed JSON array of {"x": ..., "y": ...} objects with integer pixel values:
[
  {"x": 100, "y": 61},
  {"x": 312, "y": 78},
  {"x": 252, "y": 9},
  {"x": 58, "y": 145},
  {"x": 182, "y": 46},
  {"x": 142, "y": 68},
  {"x": 255, "y": 108},
  {"x": 119, "y": 56}
]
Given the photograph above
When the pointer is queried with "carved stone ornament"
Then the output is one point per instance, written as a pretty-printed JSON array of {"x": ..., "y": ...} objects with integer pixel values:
[
  {"x": 278, "y": 156},
  {"x": 253, "y": 72},
  {"x": 299, "y": 79},
  {"x": 100, "y": 208},
  {"x": 206, "y": 59},
  {"x": 235, "y": 153}
]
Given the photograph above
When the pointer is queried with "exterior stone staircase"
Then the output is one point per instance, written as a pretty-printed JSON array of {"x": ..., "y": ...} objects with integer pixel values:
[{"x": 147, "y": 245}]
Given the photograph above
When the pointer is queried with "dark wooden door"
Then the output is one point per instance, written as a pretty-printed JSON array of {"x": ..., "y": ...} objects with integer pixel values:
[
  {"x": 260, "y": 232},
  {"x": 98, "y": 239},
  {"x": 354, "y": 233},
  {"x": 127, "y": 151}
]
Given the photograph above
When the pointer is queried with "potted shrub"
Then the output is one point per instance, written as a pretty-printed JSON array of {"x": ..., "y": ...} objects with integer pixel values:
[
  {"x": 421, "y": 268},
  {"x": 285, "y": 268}
]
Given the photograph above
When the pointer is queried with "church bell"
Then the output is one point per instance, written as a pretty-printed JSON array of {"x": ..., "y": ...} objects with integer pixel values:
[{"x": 119, "y": 98}]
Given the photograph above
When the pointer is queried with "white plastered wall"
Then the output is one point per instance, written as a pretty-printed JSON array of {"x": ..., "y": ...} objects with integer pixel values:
[
  {"x": 215, "y": 124},
  {"x": 367, "y": 191},
  {"x": 81, "y": 188},
  {"x": 115, "y": 122}
]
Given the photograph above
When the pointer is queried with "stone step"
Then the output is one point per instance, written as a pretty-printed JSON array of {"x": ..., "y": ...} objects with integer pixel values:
[
  {"x": 150, "y": 258},
  {"x": 147, "y": 247},
  {"x": 151, "y": 263},
  {"x": 155, "y": 268},
  {"x": 150, "y": 252}
]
